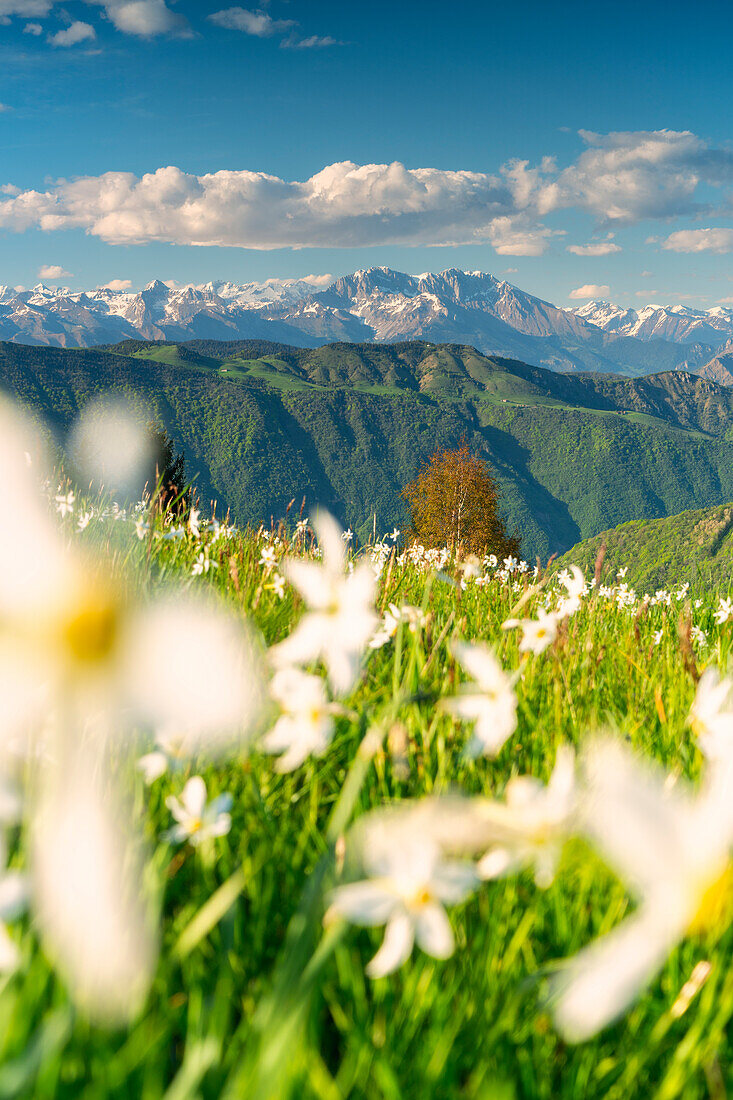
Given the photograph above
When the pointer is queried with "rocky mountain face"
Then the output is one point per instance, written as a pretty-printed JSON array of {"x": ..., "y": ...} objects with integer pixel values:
[{"x": 379, "y": 305}]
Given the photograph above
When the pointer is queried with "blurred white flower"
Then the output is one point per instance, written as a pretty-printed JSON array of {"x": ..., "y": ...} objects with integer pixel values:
[
  {"x": 711, "y": 716},
  {"x": 341, "y": 619},
  {"x": 532, "y": 824},
  {"x": 672, "y": 848},
  {"x": 268, "y": 558},
  {"x": 347, "y": 536},
  {"x": 194, "y": 522},
  {"x": 408, "y": 886},
  {"x": 203, "y": 564},
  {"x": 412, "y": 617},
  {"x": 277, "y": 585},
  {"x": 305, "y": 725},
  {"x": 489, "y": 702},
  {"x": 84, "y": 520},
  {"x": 537, "y": 634},
  {"x": 395, "y": 534},
  {"x": 87, "y": 875},
  {"x": 724, "y": 612},
  {"x": 142, "y": 527},
  {"x": 111, "y": 445},
  {"x": 65, "y": 504},
  {"x": 657, "y": 636},
  {"x": 190, "y": 672},
  {"x": 197, "y": 819},
  {"x": 574, "y": 584},
  {"x": 171, "y": 753}
]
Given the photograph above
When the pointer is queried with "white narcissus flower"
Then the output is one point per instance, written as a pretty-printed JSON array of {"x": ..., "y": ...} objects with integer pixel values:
[
  {"x": 489, "y": 702},
  {"x": 65, "y": 504},
  {"x": 671, "y": 846},
  {"x": 86, "y": 876},
  {"x": 305, "y": 725},
  {"x": 203, "y": 564},
  {"x": 537, "y": 634},
  {"x": 408, "y": 886},
  {"x": 724, "y": 612},
  {"x": 711, "y": 716},
  {"x": 82, "y": 665},
  {"x": 532, "y": 824},
  {"x": 197, "y": 819},
  {"x": 574, "y": 584},
  {"x": 341, "y": 618},
  {"x": 194, "y": 522}
]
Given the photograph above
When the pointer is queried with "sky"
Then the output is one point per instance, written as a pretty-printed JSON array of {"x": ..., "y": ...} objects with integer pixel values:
[{"x": 577, "y": 151}]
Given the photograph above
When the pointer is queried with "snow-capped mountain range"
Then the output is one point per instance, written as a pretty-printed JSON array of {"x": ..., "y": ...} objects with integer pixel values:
[{"x": 381, "y": 305}]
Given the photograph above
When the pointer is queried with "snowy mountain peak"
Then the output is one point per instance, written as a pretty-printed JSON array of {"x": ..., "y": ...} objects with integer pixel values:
[{"x": 377, "y": 304}]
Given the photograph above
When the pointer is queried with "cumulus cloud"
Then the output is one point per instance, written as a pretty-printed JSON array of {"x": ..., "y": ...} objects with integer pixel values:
[
  {"x": 34, "y": 29},
  {"x": 54, "y": 271},
  {"x": 257, "y": 23},
  {"x": 595, "y": 248},
  {"x": 590, "y": 290},
  {"x": 617, "y": 178},
  {"x": 344, "y": 205},
  {"x": 116, "y": 284},
  {"x": 73, "y": 35},
  {"x": 3, "y": 108},
  {"x": 143, "y": 18},
  {"x": 622, "y": 178},
  {"x": 700, "y": 240}
]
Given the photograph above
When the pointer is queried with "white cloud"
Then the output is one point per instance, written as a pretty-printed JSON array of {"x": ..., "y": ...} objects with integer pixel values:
[
  {"x": 144, "y": 18},
  {"x": 54, "y": 271},
  {"x": 261, "y": 24},
  {"x": 73, "y": 35},
  {"x": 24, "y": 9},
  {"x": 623, "y": 178},
  {"x": 116, "y": 284},
  {"x": 590, "y": 290},
  {"x": 257, "y": 23},
  {"x": 314, "y": 280},
  {"x": 313, "y": 42},
  {"x": 33, "y": 28},
  {"x": 647, "y": 274},
  {"x": 619, "y": 178},
  {"x": 595, "y": 248},
  {"x": 344, "y": 205},
  {"x": 4, "y": 107},
  {"x": 725, "y": 301},
  {"x": 700, "y": 240}
]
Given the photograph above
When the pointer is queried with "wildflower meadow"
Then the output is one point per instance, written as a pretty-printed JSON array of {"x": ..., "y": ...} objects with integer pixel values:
[{"x": 287, "y": 815}]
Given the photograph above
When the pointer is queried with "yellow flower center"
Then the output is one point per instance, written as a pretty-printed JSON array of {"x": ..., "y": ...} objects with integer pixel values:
[
  {"x": 195, "y": 824},
  {"x": 716, "y": 903},
  {"x": 421, "y": 897},
  {"x": 90, "y": 633}
]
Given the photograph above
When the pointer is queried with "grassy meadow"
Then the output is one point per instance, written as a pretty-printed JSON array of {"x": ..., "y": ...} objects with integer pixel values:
[{"x": 252, "y": 995}]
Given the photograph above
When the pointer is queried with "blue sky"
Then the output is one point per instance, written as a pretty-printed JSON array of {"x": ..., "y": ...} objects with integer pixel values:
[{"x": 194, "y": 141}]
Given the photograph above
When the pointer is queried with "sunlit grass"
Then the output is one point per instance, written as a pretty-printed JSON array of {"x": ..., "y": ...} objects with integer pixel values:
[{"x": 252, "y": 997}]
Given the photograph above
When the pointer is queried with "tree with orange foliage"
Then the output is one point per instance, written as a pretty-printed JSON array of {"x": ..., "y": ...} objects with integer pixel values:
[{"x": 454, "y": 501}]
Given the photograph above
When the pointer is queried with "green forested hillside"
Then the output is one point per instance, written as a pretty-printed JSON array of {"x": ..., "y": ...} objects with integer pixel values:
[
  {"x": 695, "y": 546},
  {"x": 347, "y": 426}
]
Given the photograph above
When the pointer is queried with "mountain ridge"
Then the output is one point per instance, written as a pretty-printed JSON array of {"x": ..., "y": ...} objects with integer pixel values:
[{"x": 377, "y": 304}]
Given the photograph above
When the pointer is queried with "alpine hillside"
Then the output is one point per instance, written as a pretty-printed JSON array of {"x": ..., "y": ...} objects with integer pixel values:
[
  {"x": 347, "y": 426},
  {"x": 380, "y": 305}
]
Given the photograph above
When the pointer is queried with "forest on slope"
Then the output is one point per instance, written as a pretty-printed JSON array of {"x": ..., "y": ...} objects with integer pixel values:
[{"x": 347, "y": 426}]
